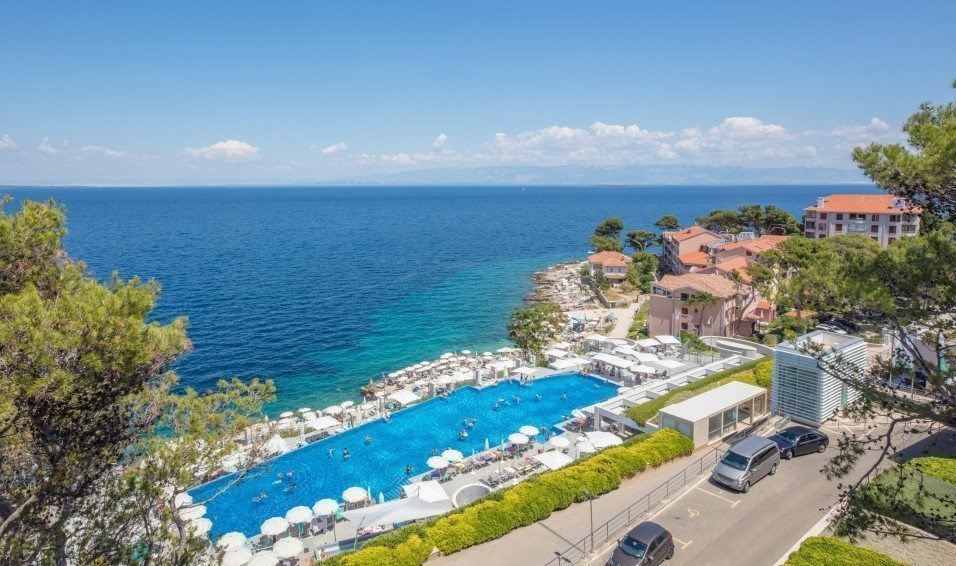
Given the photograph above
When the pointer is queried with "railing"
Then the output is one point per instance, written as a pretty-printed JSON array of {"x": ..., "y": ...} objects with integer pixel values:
[{"x": 586, "y": 547}]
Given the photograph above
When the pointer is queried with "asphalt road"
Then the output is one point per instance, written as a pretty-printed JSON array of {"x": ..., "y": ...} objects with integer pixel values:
[{"x": 715, "y": 525}]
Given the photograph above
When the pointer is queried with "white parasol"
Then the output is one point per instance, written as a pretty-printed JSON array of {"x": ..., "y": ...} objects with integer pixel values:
[
  {"x": 355, "y": 494},
  {"x": 437, "y": 463}
]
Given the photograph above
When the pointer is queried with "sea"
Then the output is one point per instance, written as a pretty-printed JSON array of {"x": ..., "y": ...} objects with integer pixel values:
[{"x": 323, "y": 288}]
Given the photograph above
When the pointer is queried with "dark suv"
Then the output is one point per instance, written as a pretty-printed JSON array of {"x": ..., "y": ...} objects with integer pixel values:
[
  {"x": 798, "y": 440},
  {"x": 647, "y": 544}
]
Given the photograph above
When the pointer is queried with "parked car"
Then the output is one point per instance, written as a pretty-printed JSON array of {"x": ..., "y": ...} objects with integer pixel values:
[
  {"x": 647, "y": 544},
  {"x": 746, "y": 462},
  {"x": 799, "y": 440},
  {"x": 831, "y": 328}
]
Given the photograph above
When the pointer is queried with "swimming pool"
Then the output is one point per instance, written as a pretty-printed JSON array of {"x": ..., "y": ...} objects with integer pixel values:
[{"x": 408, "y": 438}]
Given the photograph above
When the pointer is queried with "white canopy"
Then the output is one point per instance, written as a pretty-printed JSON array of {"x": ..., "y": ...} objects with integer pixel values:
[
  {"x": 332, "y": 410},
  {"x": 299, "y": 514},
  {"x": 274, "y": 526},
  {"x": 325, "y": 507},
  {"x": 437, "y": 463},
  {"x": 641, "y": 368},
  {"x": 557, "y": 353},
  {"x": 517, "y": 438},
  {"x": 276, "y": 445},
  {"x": 502, "y": 365},
  {"x": 568, "y": 363},
  {"x": 398, "y": 511},
  {"x": 553, "y": 459},
  {"x": 193, "y": 512},
  {"x": 648, "y": 343},
  {"x": 612, "y": 360},
  {"x": 347, "y": 404},
  {"x": 667, "y": 365},
  {"x": 404, "y": 397},
  {"x": 452, "y": 455},
  {"x": 560, "y": 442},
  {"x": 585, "y": 447},
  {"x": 322, "y": 423},
  {"x": 355, "y": 494},
  {"x": 236, "y": 557},
  {"x": 525, "y": 371},
  {"x": 231, "y": 541},
  {"x": 447, "y": 355},
  {"x": 430, "y": 491},
  {"x": 667, "y": 340},
  {"x": 263, "y": 558},
  {"x": 529, "y": 430},
  {"x": 287, "y": 547},
  {"x": 602, "y": 439},
  {"x": 617, "y": 341}
]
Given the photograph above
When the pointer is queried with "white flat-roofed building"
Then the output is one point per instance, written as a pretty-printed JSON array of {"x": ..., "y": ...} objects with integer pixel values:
[
  {"x": 802, "y": 388},
  {"x": 710, "y": 416}
]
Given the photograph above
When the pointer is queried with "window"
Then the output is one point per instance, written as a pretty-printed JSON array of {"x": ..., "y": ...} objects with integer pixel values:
[
  {"x": 822, "y": 227},
  {"x": 684, "y": 296},
  {"x": 683, "y": 326},
  {"x": 909, "y": 228},
  {"x": 894, "y": 218},
  {"x": 683, "y": 310},
  {"x": 839, "y": 216},
  {"x": 874, "y": 229},
  {"x": 875, "y": 217},
  {"x": 875, "y": 238},
  {"x": 891, "y": 240},
  {"x": 838, "y": 228},
  {"x": 823, "y": 215},
  {"x": 892, "y": 229},
  {"x": 809, "y": 224}
]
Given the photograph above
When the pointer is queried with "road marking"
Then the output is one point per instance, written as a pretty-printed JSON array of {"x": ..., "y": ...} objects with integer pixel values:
[
  {"x": 682, "y": 544},
  {"x": 692, "y": 513},
  {"x": 718, "y": 496}
]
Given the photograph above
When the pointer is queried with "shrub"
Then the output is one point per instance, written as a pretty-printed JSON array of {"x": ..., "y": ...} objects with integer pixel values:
[
  {"x": 943, "y": 468},
  {"x": 521, "y": 505},
  {"x": 763, "y": 373},
  {"x": 835, "y": 552},
  {"x": 647, "y": 410}
]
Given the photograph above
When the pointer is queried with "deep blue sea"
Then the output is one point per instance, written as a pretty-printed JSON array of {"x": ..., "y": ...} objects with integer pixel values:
[{"x": 321, "y": 288}]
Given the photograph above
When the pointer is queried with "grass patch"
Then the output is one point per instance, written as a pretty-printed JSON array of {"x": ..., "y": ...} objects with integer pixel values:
[
  {"x": 756, "y": 372},
  {"x": 836, "y": 552},
  {"x": 906, "y": 494},
  {"x": 940, "y": 467},
  {"x": 521, "y": 505},
  {"x": 638, "y": 327}
]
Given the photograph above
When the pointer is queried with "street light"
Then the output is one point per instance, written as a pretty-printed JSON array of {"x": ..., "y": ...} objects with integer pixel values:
[{"x": 591, "y": 499}]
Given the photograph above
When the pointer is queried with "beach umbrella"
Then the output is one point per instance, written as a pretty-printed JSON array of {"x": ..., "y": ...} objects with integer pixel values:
[
  {"x": 585, "y": 447},
  {"x": 236, "y": 557},
  {"x": 325, "y": 507},
  {"x": 190, "y": 513},
  {"x": 286, "y": 415},
  {"x": 437, "y": 463},
  {"x": 355, "y": 494},
  {"x": 287, "y": 547},
  {"x": 199, "y": 526},
  {"x": 299, "y": 514},
  {"x": 182, "y": 499},
  {"x": 309, "y": 415},
  {"x": 529, "y": 430},
  {"x": 347, "y": 404},
  {"x": 560, "y": 442},
  {"x": 274, "y": 526},
  {"x": 232, "y": 541},
  {"x": 517, "y": 438},
  {"x": 264, "y": 558},
  {"x": 466, "y": 352},
  {"x": 447, "y": 355},
  {"x": 452, "y": 455},
  {"x": 304, "y": 410},
  {"x": 332, "y": 410}
]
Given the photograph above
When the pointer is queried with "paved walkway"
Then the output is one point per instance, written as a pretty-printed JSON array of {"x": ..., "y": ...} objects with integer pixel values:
[{"x": 536, "y": 543}]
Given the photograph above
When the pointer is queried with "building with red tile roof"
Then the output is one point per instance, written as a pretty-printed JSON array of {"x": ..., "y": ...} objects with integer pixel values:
[
  {"x": 612, "y": 264},
  {"x": 884, "y": 218}
]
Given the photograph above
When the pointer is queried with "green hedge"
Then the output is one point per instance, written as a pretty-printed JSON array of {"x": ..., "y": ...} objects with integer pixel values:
[
  {"x": 940, "y": 467},
  {"x": 836, "y": 552},
  {"x": 521, "y": 505},
  {"x": 756, "y": 372},
  {"x": 907, "y": 494}
]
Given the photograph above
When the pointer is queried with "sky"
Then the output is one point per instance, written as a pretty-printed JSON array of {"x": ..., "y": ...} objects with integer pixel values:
[{"x": 170, "y": 92}]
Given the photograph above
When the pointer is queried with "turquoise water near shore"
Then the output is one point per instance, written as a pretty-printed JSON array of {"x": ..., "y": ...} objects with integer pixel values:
[{"x": 321, "y": 288}]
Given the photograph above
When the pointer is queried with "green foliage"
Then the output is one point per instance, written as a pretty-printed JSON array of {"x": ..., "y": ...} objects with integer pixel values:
[
  {"x": 768, "y": 219},
  {"x": 941, "y": 467},
  {"x": 763, "y": 374},
  {"x": 601, "y": 281},
  {"x": 642, "y": 270},
  {"x": 30, "y": 243},
  {"x": 646, "y": 411},
  {"x": 816, "y": 551},
  {"x": 533, "y": 327},
  {"x": 638, "y": 327},
  {"x": 610, "y": 228},
  {"x": 605, "y": 244},
  {"x": 668, "y": 222},
  {"x": 526, "y": 503},
  {"x": 640, "y": 240},
  {"x": 694, "y": 343},
  {"x": 701, "y": 300}
]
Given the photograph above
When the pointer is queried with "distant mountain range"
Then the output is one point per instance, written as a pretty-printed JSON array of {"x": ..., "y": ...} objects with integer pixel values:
[{"x": 623, "y": 175}]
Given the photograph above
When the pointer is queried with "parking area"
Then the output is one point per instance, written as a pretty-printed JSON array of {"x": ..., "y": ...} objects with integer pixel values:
[{"x": 714, "y": 525}]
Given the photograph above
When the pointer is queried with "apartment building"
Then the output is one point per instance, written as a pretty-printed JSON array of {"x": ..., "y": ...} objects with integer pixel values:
[
  {"x": 682, "y": 248},
  {"x": 671, "y": 311},
  {"x": 612, "y": 264},
  {"x": 884, "y": 218}
]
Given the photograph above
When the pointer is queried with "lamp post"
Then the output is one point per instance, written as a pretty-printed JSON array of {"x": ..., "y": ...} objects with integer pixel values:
[{"x": 591, "y": 498}]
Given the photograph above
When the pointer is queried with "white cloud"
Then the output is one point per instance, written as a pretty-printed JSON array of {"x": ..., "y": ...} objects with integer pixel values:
[
  {"x": 875, "y": 129},
  {"x": 746, "y": 127},
  {"x": 104, "y": 151},
  {"x": 47, "y": 148},
  {"x": 226, "y": 150},
  {"x": 6, "y": 142},
  {"x": 334, "y": 149},
  {"x": 440, "y": 141}
]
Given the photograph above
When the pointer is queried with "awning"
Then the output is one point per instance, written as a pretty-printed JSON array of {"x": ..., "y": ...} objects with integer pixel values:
[
  {"x": 667, "y": 340},
  {"x": 640, "y": 368},
  {"x": 601, "y": 439},
  {"x": 612, "y": 360},
  {"x": 556, "y": 353},
  {"x": 322, "y": 423},
  {"x": 553, "y": 459},
  {"x": 429, "y": 491},
  {"x": 568, "y": 363},
  {"x": 502, "y": 365},
  {"x": 397, "y": 511},
  {"x": 404, "y": 397},
  {"x": 648, "y": 343}
]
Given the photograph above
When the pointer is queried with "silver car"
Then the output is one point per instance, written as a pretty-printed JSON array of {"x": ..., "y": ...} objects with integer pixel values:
[{"x": 746, "y": 462}]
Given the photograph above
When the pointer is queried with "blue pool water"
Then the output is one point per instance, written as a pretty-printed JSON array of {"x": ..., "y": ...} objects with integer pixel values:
[{"x": 408, "y": 438}]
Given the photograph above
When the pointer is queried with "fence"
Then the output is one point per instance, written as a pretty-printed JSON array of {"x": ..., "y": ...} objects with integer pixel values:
[{"x": 615, "y": 525}]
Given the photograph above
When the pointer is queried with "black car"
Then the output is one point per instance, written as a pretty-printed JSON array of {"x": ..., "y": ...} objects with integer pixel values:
[
  {"x": 647, "y": 544},
  {"x": 798, "y": 440}
]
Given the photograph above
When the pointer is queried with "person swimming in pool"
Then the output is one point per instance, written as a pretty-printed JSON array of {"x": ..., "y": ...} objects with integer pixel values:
[
  {"x": 537, "y": 396},
  {"x": 368, "y": 439},
  {"x": 409, "y": 469},
  {"x": 564, "y": 395},
  {"x": 331, "y": 452},
  {"x": 262, "y": 496},
  {"x": 517, "y": 398},
  {"x": 346, "y": 454}
]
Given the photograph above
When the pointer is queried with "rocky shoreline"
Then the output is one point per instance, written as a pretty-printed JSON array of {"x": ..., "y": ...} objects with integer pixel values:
[{"x": 561, "y": 284}]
